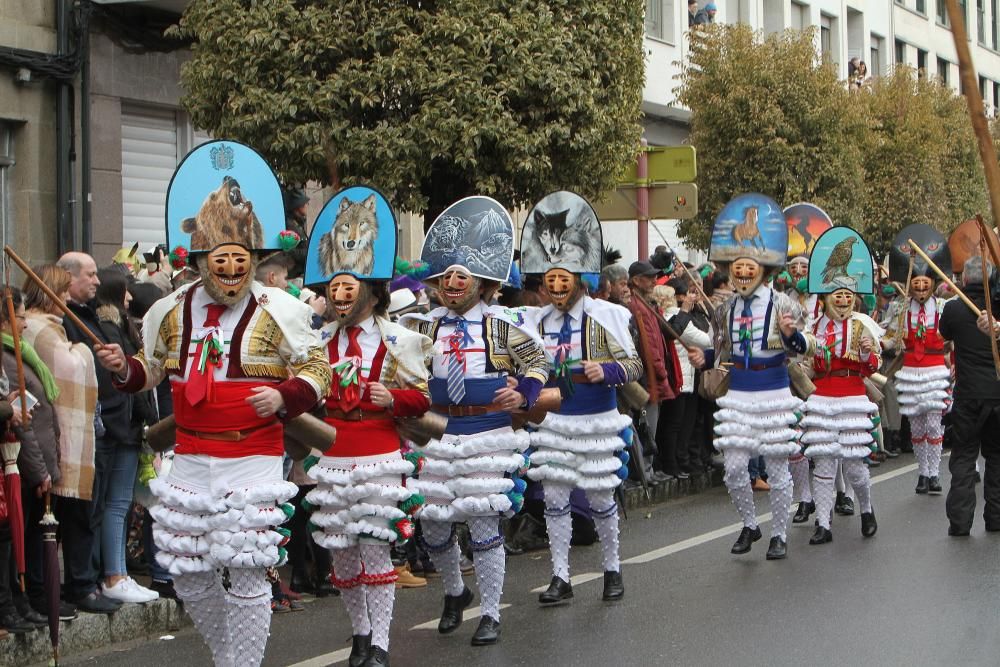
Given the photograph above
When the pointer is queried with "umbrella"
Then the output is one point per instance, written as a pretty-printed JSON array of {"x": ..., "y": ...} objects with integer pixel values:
[
  {"x": 12, "y": 488},
  {"x": 50, "y": 560}
]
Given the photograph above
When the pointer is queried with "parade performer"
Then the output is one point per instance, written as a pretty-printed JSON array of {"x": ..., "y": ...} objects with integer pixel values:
[
  {"x": 379, "y": 370},
  {"x": 242, "y": 358},
  {"x": 582, "y": 444},
  {"x": 912, "y": 324},
  {"x": 487, "y": 363},
  {"x": 840, "y": 421},
  {"x": 760, "y": 327}
]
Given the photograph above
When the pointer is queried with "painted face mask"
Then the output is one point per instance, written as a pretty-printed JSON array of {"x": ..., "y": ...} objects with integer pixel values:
[
  {"x": 562, "y": 287},
  {"x": 921, "y": 288},
  {"x": 459, "y": 290},
  {"x": 348, "y": 300},
  {"x": 839, "y": 304},
  {"x": 227, "y": 272},
  {"x": 799, "y": 269},
  {"x": 746, "y": 276}
]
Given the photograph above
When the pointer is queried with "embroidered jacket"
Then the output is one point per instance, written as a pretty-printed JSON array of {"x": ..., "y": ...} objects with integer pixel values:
[
  {"x": 768, "y": 340},
  {"x": 921, "y": 343}
]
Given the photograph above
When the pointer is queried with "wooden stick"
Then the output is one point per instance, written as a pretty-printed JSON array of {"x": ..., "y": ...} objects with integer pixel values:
[
  {"x": 98, "y": 343},
  {"x": 946, "y": 279},
  {"x": 16, "y": 335}
]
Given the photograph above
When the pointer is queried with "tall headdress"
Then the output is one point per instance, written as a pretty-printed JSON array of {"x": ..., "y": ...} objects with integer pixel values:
[
  {"x": 476, "y": 233},
  {"x": 963, "y": 243},
  {"x": 806, "y": 223},
  {"x": 752, "y": 226},
  {"x": 562, "y": 231},
  {"x": 355, "y": 233},
  {"x": 930, "y": 240},
  {"x": 841, "y": 259},
  {"x": 224, "y": 192}
]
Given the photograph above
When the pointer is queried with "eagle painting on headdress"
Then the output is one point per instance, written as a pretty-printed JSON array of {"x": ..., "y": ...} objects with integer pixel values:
[{"x": 840, "y": 257}]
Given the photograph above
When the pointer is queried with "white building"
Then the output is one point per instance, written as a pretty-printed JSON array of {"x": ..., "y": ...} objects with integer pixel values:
[{"x": 880, "y": 32}]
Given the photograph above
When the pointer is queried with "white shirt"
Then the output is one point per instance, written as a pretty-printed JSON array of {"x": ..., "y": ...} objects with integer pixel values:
[
  {"x": 759, "y": 307},
  {"x": 369, "y": 340},
  {"x": 929, "y": 309},
  {"x": 228, "y": 321},
  {"x": 552, "y": 324},
  {"x": 475, "y": 360}
]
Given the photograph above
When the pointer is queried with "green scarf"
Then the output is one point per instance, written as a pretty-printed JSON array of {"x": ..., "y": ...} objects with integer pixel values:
[{"x": 30, "y": 357}]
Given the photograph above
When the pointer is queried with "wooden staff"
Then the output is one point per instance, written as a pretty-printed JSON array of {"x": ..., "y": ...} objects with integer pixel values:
[
  {"x": 16, "y": 335},
  {"x": 98, "y": 343},
  {"x": 946, "y": 279}
]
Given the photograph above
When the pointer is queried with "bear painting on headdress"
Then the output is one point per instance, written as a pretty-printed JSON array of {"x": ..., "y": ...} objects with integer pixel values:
[{"x": 225, "y": 217}]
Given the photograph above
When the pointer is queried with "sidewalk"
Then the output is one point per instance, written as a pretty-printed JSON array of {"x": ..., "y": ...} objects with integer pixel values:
[{"x": 673, "y": 488}]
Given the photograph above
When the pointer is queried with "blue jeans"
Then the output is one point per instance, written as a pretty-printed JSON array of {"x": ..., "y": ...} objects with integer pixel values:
[
  {"x": 756, "y": 467},
  {"x": 114, "y": 482},
  {"x": 156, "y": 571}
]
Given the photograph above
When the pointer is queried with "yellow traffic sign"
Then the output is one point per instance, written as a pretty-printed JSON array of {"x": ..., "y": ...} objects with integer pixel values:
[
  {"x": 666, "y": 164},
  {"x": 669, "y": 201}
]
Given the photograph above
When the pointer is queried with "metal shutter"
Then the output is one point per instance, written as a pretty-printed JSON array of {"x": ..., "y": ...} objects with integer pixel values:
[{"x": 149, "y": 157}]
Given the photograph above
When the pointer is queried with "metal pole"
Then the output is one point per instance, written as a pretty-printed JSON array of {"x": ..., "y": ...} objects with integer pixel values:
[
  {"x": 86, "y": 227},
  {"x": 64, "y": 221},
  {"x": 642, "y": 200}
]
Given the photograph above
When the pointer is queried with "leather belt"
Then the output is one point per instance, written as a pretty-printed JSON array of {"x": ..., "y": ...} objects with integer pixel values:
[
  {"x": 224, "y": 436},
  {"x": 752, "y": 367},
  {"x": 579, "y": 378},
  {"x": 845, "y": 373},
  {"x": 357, "y": 414},
  {"x": 466, "y": 410}
]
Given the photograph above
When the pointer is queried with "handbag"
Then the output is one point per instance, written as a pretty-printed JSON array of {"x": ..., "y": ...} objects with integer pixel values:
[{"x": 714, "y": 383}]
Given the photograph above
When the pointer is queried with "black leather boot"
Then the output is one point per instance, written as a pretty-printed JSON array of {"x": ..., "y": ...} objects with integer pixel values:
[
  {"x": 614, "y": 587},
  {"x": 777, "y": 550},
  {"x": 487, "y": 633},
  {"x": 844, "y": 506},
  {"x": 746, "y": 539},
  {"x": 922, "y": 485},
  {"x": 360, "y": 650},
  {"x": 558, "y": 591},
  {"x": 803, "y": 512},
  {"x": 454, "y": 605},
  {"x": 934, "y": 486},
  {"x": 869, "y": 526},
  {"x": 821, "y": 536},
  {"x": 378, "y": 657}
]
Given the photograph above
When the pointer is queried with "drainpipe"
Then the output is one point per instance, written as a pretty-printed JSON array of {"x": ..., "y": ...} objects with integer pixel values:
[
  {"x": 86, "y": 228},
  {"x": 64, "y": 219}
]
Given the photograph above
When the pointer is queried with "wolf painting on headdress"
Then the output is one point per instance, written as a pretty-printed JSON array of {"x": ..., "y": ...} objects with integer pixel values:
[{"x": 349, "y": 246}]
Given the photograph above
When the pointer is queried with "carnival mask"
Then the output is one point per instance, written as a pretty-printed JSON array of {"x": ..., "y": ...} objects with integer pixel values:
[
  {"x": 840, "y": 304},
  {"x": 459, "y": 290},
  {"x": 799, "y": 269},
  {"x": 227, "y": 272},
  {"x": 348, "y": 300},
  {"x": 746, "y": 276},
  {"x": 562, "y": 287},
  {"x": 921, "y": 288}
]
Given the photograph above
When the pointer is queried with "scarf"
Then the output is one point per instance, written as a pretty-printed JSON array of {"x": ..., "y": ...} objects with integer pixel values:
[{"x": 30, "y": 357}]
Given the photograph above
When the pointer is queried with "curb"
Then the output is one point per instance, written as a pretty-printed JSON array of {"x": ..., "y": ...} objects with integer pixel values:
[
  {"x": 672, "y": 488},
  {"x": 92, "y": 631}
]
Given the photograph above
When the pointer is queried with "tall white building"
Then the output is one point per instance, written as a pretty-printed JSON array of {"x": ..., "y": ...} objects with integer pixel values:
[{"x": 880, "y": 32}]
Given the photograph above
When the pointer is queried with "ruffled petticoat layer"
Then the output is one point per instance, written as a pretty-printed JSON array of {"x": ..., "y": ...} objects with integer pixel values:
[
  {"x": 923, "y": 389},
  {"x": 839, "y": 426},
  {"x": 580, "y": 451},
  {"x": 761, "y": 422},
  {"x": 361, "y": 499},
  {"x": 472, "y": 475},
  {"x": 215, "y": 512}
]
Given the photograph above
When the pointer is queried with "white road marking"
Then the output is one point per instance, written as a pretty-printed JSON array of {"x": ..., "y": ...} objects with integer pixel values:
[{"x": 470, "y": 613}]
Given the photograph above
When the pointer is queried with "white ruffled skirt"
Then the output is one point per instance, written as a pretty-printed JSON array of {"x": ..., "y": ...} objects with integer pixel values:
[
  {"x": 923, "y": 389},
  {"x": 838, "y": 426},
  {"x": 361, "y": 499},
  {"x": 214, "y": 512},
  {"x": 760, "y": 422},
  {"x": 579, "y": 450},
  {"x": 469, "y": 475}
]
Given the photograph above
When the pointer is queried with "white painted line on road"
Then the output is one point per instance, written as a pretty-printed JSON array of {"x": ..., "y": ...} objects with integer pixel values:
[
  {"x": 470, "y": 613},
  {"x": 326, "y": 659}
]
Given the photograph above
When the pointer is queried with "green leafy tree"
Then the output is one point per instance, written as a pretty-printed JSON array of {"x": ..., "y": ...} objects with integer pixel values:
[
  {"x": 768, "y": 116},
  {"x": 921, "y": 159},
  {"x": 428, "y": 100}
]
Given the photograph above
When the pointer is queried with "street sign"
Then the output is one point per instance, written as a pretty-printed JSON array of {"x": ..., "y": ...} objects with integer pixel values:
[
  {"x": 670, "y": 201},
  {"x": 666, "y": 164}
]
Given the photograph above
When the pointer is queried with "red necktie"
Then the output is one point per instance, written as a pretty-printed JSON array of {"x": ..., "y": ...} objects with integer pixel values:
[
  {"x": 201, "y": 376},
  {"x": 831, "y": 335},
  {"x": 919, "y": 344},
  {"x": 350, "y": 395}
]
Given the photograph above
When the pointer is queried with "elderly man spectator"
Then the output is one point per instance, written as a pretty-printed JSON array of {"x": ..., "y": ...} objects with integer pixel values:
[
  {"x": 616, "y": 278},
  {"x": 113, "y": 417},
  {"x": 974, "y": 414}
]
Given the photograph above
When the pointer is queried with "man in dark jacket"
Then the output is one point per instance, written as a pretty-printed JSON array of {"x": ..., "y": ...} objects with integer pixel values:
[
  {"x": 114, "y": 413},
  {"x": 975, "y": 413},
  {"x": 706, "y": 15}
]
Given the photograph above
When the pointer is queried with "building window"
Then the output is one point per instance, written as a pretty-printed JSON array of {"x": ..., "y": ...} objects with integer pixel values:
[
  {"x": 996, "y": 97},
  {"x": 900, "y": 52},
  {"x": 993, "y": 23},
  {"x": 875, "y": 59},
  {"x": 922, "y": 6},
  {"x": 982, "y": 87},
  {"x": 942, "y": 12},
  {"x": 660, "y": 20},
  {"x": 981, "y": 21},
  {"x": 800, "y": 16},
  {"x": 921, "y": 63},
  {"x": 6, "y": 162},
  {"x": 826, "y": 38},
  {"x": 942, "y": 70}
]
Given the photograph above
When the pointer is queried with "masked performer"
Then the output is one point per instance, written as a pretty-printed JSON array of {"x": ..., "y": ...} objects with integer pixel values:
[
  {"x": 759, "y": 328},
  {"x": 923, "y": 381},
  {"x": 487, "y": 363},
  {"x": 242, "y": 358},
  {"x": 581, "y": 445},
  {"x": 380, "y": 372},
  {"x": 840, "y": 421}
]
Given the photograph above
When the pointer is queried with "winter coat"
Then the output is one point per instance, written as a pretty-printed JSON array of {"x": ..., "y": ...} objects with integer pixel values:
[
  {"x": 663, "y": 370},
  {"x": 40, "y": 440},
  {"x": 695, "y": 337},
  {"x": 975, "y": 377}
]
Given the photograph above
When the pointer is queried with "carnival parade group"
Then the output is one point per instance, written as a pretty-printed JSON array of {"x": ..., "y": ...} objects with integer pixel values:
[{"x": 443, "y": 418}]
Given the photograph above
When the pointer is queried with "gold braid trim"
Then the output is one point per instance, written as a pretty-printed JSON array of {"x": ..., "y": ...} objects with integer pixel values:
[{"x": 276, "y": 371}]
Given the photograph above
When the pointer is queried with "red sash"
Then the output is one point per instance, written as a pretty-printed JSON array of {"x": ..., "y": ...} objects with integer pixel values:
[{"x": 225, "y": 410}]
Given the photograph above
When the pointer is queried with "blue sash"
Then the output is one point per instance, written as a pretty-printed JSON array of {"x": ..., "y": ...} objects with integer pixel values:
[{"x": 478, "y": 391}]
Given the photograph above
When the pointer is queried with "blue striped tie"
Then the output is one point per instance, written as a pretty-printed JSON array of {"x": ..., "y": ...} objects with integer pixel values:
[{"x": 456, "y": 358}]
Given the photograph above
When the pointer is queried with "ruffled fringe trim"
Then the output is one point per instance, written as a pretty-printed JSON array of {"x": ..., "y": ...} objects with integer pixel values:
[
  {"x": 922, "y": 408},
  {"x": 775, "y": 438},
  {"x": 757, "y": 420},
  {"x": 829, "y": 449},
  {"x": 919, "y": 374},
  {"x": 555, "y": 474},
  {"x": 786, "y": 449},
  {"x": 476, "y": 486},
  {"x": 853, "y": 422},
  {"x": 854, "y": 452},
  {"x": 586, "y": 446},
  {"x": 466, "y": 446},
  {"x": 430, "y": 489},
  {"x": 922, "y": 397},
  {"x": 755, "y": 403},
  {"x": 340, "y": 497},
  {"x": 731, "y": 429},
  {"x": 462, "y": 508},
  {"x": 830, "y": 406},
  {"x": 917, "y": 388},
  {"x": 497, "y": 463},
  {"x": 266, "y": 492},
  {"x": 541, "y": 457},
  {"x": 611, "y": 421},
  {"x": 326, "y": 473}
]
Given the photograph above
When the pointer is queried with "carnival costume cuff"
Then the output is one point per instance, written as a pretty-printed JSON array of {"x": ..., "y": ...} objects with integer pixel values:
[
  {"x": 299, "y": 396},
  {"x": 796, "y": 342},
  {"x": 709, "y": 358},
  {"x": 529, "y": 388},
  {"x": 614, "y": 374},
  {"x": 408, "y": 402},
  {"x": 135, "y": 377}
]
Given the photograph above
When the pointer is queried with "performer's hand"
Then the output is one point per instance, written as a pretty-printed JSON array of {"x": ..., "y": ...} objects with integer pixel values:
[
  {"x": 381, "y": 396},
  {"x": 112, "y": 357},
  {"x": 787, "y": 325},
  {"x": 44, "y": 487},
  {"x": 509, "y": 399},
  {"x": 984, "y": 324},
  {"x": 594, "y": 371},
  {"x": 318, "y": 305},
  {"x": 866, "y": 345},
  {"x": 266, "y": 401},
  {"x": 696, "y": 357}
]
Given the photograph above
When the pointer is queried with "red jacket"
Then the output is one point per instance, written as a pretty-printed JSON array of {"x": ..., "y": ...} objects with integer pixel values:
[{"x": 663, "y": 368}]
